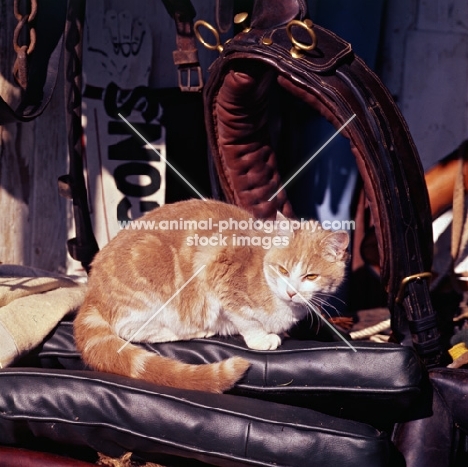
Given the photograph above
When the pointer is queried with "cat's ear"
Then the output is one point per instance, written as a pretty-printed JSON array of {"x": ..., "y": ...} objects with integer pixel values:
[
  {"x": 281, "y": 217},
  {"x": 335, "y": 246},
  {"x": 283, "y": 227}
]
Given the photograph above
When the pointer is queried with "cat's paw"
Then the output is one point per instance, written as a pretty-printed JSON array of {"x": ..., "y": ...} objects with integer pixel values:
[{"x": 263, "y": 341}]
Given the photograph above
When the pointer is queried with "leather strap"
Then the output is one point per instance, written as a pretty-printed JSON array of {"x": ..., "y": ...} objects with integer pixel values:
[
  {"x": 54, "y": 21},
  {"x": 224, "y": 14},
  {"x": 43, "y": 65},
  {"x": 84, "y": 246},
  {"x": 186, "y": 55},
  {"x": 447, "y": 184},
  {"x": 332, "y": 80},
  {"x": 460, "y": 207}
]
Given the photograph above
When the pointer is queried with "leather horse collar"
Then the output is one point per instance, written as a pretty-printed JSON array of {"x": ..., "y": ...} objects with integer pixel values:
[{"x": 333, "y": 80}]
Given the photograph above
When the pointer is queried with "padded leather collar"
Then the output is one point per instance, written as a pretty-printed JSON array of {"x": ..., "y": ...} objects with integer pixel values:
[{"x": 332, "y": 80}]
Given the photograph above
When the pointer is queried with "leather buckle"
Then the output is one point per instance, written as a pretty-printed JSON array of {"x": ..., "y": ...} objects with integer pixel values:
[
  {"x": 185, "y": 76},
  {"x": 407, "y": 280}
]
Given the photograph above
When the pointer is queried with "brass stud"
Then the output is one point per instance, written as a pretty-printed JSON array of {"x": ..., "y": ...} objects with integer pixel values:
[{"x": 240, "y": 19}]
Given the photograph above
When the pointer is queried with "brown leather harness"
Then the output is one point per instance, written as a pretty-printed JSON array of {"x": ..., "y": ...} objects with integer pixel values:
[{"x": 332, "y": 80}]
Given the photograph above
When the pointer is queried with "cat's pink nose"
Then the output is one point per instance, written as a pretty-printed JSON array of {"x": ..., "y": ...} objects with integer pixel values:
[{"x": 291, "y": 293}]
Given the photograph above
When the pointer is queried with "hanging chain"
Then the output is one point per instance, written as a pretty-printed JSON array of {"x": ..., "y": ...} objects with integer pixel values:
[{"x": 24, "y": 38}]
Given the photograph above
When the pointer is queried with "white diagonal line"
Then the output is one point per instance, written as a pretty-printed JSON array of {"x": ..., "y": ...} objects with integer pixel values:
[
  {"x": 310, "y": 158},
  {"x": 161, "y": 156},
  {"x": 160, "y": 309},
  {"x": 318, "y": 314}
]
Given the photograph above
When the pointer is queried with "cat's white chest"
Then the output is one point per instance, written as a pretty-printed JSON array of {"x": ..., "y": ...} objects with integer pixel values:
[{"x": 285, "y": 316}]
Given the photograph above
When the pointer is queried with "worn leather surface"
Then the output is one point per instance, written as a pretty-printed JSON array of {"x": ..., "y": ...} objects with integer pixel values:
[
  {"x": 113, "y": 415},
  {"x": 270, "y": 14},
  {"x": 452, "y": 385},
  {"x": 439, "y": 440},
  {"x": 332, "y": 80},
  {"x": 15, "y": 457},
  {"x": 326, "y": 376}
]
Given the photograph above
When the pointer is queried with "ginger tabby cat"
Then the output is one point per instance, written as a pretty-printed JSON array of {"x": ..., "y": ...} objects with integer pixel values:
[{"x": 160, "y": 284}]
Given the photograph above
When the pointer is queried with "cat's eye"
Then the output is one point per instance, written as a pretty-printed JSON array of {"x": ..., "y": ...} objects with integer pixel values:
[
  {"x": 283, "y": 271},
  {"x": 311, "y": 277}
]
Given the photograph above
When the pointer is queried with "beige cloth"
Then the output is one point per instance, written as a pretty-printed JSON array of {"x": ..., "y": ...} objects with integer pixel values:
[{"x": 32, "y": 303}]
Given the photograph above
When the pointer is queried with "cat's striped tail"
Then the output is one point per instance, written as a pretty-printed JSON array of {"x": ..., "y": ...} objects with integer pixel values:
[{"x": 105, "y": 351}]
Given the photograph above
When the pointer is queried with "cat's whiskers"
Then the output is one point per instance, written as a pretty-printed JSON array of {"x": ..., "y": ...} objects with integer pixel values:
[
  {"x": 330, "y": 295},
  {"x": 323, "y": 305},
  {"x": 312, "y": 311}
]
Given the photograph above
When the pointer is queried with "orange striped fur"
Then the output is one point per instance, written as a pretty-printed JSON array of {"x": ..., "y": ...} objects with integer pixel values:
[{"x": 134, "y": 292}]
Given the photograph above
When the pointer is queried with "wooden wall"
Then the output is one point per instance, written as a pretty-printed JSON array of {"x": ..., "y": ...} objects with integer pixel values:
[
  {"x": 33, "y": 219},
  {"x": 424, "y": 63},
  {"x": 425, "y": 66}
]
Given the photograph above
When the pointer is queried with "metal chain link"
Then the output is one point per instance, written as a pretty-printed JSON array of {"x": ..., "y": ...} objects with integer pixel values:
[{"x": 24, "y": 38}]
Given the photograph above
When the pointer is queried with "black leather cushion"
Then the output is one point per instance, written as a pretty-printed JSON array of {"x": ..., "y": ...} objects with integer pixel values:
[
  {"x": 113, "y": 414},
  {"x": 377, "y": 384},
  {"x": 446, "y": 431}
]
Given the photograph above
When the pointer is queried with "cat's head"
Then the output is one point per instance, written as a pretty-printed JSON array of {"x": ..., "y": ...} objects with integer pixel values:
[{"x": 310, "y": 261}]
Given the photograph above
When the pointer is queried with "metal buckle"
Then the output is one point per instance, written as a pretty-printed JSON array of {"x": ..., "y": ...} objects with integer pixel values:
[
  {"x": 298, "y": 48},
  {"x": 217, "y": 41},
  {"x": 188, "y": 72},
  {"x": 407, "y": 280}
]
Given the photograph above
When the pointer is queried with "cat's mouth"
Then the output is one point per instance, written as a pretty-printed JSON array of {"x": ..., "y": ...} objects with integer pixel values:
[{"x": 294, "y": 299}]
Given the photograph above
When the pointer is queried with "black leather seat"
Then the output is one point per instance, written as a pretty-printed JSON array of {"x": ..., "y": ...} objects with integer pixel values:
[{"x": 57, "y": 399}]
